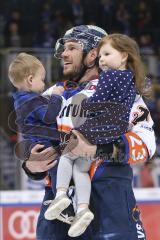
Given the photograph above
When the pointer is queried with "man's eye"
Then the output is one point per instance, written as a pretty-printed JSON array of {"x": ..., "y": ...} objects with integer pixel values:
[{"x": 71, "y": 48}]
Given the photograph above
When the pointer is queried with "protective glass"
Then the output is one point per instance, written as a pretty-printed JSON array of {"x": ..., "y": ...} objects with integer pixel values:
[{"x": 60, "y": 46}]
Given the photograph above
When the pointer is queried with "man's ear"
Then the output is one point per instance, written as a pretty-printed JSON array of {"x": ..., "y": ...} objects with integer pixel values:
[
  {"x": 91, "y": 56},
  {"x": 93, "y": 53}
]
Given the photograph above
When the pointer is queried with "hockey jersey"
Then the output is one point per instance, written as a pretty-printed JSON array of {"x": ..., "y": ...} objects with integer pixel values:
[{"x": 73, "y": 115}]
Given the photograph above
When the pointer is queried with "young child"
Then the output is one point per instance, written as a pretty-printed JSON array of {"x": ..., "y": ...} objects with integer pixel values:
[
  {"x": 121, "y": 77},
  {"x": 36, "y": 114}
]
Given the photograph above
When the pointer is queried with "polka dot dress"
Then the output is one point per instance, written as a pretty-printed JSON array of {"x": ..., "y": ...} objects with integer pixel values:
[{"x": 111, "y": 104}]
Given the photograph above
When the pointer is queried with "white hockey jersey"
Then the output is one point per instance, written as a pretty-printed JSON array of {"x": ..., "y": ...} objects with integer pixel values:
[{"x": 72, "y": 115}]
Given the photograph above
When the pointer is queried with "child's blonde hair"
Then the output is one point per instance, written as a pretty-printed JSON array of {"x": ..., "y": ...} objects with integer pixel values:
[
  {"x": 23, "y": 66},
  {"x": 124, "y": 43}
]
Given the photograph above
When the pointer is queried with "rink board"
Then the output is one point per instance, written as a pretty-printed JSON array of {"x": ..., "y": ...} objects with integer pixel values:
[{"x": 19, "y": 211}]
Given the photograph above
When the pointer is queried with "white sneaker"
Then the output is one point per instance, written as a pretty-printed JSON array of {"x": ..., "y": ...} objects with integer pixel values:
[
  {"x": 80, "y": 223},
  {"x": 57, "y": 206}
]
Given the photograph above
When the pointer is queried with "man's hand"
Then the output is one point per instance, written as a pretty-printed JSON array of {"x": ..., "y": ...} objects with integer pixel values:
[
  {"x": 79, "y": 146},
  {"x": 41, "y": 160}
]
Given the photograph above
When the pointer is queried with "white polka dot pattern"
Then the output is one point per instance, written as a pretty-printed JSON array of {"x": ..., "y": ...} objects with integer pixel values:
[{"x": 118, "y": 87}]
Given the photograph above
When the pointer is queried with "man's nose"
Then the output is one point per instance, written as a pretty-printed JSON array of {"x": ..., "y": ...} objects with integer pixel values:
[{"x": 64, "y": 53}]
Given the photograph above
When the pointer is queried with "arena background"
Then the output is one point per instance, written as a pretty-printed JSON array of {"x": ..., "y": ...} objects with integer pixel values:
[{"x": 33, "y": 26}]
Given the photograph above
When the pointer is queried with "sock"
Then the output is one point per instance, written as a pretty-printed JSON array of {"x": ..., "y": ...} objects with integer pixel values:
[{"x": 59, "y": 193}]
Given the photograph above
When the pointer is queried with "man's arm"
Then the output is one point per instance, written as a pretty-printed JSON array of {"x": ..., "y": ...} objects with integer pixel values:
[{"x": 128, "y": 149}]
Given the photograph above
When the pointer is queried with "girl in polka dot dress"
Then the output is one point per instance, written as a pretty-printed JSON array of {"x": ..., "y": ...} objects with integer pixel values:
[{"x": 121, "y": 77}]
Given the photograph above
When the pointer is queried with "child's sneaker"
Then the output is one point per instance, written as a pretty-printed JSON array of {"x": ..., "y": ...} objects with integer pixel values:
[
  {"x": 80, "y": 223},
  {"x": 57, "y": 206}
]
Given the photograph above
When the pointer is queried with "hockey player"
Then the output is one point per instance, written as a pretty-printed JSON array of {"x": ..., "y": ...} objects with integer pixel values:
[{"x": 112, "y": 198}]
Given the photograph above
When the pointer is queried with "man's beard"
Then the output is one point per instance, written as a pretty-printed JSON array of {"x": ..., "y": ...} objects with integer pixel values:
[{"x": 75, "y": 73}]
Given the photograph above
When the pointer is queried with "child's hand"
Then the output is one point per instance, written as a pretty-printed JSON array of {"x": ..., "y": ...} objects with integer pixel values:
[{"x": 58, "y": 90}]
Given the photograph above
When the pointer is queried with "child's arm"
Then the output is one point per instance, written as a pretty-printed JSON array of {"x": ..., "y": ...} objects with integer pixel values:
[
  {"x": 48, "y": 112},
  {"x": 104, "y": 87},
  {"x": 54, "y": 105}
]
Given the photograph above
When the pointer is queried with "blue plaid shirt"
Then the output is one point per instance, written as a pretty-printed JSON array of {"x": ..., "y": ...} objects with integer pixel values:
[{"x": 36, "y": 117}]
